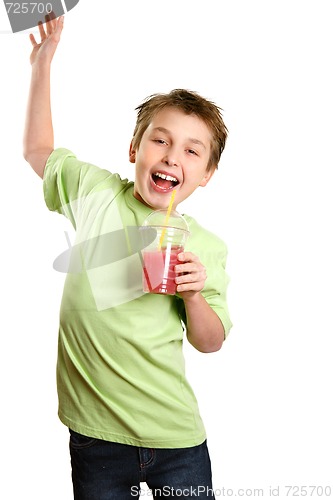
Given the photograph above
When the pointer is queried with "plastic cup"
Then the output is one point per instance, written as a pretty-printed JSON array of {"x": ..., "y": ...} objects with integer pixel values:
[{"x": 160, "y": 256}]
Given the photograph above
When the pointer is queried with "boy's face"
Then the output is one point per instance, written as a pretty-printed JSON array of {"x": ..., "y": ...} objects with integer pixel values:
[{"x": 173, "y": 154}]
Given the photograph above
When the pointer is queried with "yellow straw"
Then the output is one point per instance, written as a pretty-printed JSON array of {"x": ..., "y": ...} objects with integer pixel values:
[{"x": 167, "y": 218}]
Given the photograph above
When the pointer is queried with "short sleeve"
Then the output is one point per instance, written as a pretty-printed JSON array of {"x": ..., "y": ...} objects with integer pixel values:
[
  {"x": 67, "y": 179},
  {"x": 215, "y": 291}
]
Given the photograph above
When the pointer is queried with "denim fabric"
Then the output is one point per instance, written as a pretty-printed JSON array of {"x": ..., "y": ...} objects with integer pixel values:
[{"x": 102, "y": 470}]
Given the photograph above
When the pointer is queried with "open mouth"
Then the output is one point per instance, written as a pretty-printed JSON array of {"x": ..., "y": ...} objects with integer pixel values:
[{"x": 164, "y": 181}]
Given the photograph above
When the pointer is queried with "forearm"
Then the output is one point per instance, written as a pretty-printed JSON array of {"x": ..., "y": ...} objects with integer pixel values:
[
  {"x": 38, "y": 140},
  {"x": 205, "y": 330}
]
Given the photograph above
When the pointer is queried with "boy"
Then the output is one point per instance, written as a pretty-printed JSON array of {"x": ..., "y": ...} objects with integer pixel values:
[{"x": 121, "y": 383}]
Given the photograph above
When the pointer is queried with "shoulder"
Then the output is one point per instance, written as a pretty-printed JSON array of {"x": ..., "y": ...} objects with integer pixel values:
[
  {"x": 67, "y": 179},
  {"x": 208, "y": 246},
  {"x": 202, "y": 237},
  {"x": 64, "y": 164}
]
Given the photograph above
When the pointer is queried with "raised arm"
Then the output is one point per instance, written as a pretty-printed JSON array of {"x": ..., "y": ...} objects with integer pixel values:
[{"x": 38, "y": 142}]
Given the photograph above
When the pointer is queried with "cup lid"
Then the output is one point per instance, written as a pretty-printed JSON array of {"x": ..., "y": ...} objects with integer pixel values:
[{"x": 159, "y": 218}]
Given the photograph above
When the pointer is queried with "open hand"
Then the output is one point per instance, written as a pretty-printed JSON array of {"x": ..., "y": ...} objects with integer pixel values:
[
  {"x": 194, "y": 277},
  {"x": 44, "y": 51}
]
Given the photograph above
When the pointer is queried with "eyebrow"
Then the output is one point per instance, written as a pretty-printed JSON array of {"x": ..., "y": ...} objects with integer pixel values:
[{"x": 166, "y": 131}]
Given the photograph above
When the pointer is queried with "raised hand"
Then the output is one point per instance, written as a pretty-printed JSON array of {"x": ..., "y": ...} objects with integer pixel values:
[{"x": 43, "y": 51}]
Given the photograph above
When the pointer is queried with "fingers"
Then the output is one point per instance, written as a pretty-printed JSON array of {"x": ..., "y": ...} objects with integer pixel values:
[
  {"x": 33, "y": 40},
  {"x": 194, "y": 273},
  {"x": 60, "y": 23},
  {"x": 52, "y": 25},
  {"x": 191, "y": 263},
  {"x": 187, "y": 257},
  {"x": 191, "y": 275},
  {"x": 41, "y": 31},
  {"x": 49, "y": 25},
  {"x": 52, "y": 16}
]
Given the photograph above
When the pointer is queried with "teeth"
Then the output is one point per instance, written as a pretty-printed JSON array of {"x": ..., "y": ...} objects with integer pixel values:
[{"x": 166, "y": 177}]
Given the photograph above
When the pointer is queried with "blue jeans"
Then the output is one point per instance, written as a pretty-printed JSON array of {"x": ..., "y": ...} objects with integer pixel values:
[{"x": 102, "y": 470}]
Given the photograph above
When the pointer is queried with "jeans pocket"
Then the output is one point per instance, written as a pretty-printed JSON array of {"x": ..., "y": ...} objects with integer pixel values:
[{"x": 79, "y": 441}]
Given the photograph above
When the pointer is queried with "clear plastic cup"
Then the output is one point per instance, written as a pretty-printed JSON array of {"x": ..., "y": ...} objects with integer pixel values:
[{"x": 160, "y": 256}]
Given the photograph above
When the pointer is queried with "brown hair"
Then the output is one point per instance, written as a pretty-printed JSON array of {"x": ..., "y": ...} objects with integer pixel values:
[{"x": 190, "y": 103}]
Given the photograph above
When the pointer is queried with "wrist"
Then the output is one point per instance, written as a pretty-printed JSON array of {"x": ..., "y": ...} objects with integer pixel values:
[
  {"x": 191, "y": 298},
  {"x": 41, "y": 67}
]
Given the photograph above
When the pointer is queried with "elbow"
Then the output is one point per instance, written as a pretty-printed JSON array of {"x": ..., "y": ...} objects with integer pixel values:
[
  {"x": 28, "y": 159},
  {"x": 217, "y": 347},
  {"x": 26, "y": 154},
  {"x": 207, "y": 339},
  {"x": 213, "y": 348},
  {"x": 215, "y": 343},
  {"x": 37, "y": 158},
  {"x": 208, "y": 347},
  {"x": 28, "y": 151}
]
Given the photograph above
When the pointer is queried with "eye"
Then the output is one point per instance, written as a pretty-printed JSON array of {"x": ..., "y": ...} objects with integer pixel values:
[
  {"x": 192, "y": 152},
  {"x": 160, "y": 141}
]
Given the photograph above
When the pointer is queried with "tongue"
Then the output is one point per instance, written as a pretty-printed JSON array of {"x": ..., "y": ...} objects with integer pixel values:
[{"x": 163, "y": 183}]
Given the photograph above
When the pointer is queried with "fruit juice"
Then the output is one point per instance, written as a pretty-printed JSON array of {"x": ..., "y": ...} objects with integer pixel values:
[{"x": 159, "y": 270}]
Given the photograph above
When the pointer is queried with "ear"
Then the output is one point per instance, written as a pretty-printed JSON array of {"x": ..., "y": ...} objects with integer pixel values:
[
  {"x": 132, "y": 154},
  {"x": 207, "y": 177}
]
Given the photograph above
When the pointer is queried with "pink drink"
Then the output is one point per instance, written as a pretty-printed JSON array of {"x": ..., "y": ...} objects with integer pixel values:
[{"x": 159, "y": 270}]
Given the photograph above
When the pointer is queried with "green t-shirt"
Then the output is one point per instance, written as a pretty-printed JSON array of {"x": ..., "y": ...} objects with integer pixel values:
[{"x": 120, "y": 369}]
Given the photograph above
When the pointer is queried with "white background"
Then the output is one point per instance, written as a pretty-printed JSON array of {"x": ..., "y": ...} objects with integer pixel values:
[{"x": 266, "y": 396}]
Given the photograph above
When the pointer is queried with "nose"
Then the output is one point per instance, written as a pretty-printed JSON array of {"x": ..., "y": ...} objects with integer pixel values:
[
  {"x": 170, "y": 162},
  {"x": 170, "y": 159}
]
